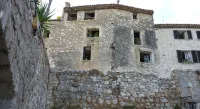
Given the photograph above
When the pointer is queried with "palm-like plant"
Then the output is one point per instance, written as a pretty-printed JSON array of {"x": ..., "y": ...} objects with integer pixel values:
[{"x": 44, "y": 17}]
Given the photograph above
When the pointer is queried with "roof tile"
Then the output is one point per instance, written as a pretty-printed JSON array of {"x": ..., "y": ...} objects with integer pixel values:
[
  {"x": 177, "y": 25},
  {"x": 108, "y": 6}
]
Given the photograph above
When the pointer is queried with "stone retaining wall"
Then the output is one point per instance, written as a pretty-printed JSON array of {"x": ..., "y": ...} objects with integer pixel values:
[{"x": 96, "y": 90}]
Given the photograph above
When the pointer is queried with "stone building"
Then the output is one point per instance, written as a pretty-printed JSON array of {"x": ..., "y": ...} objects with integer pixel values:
[
  {"x": 119, "y": 38},
  {"x": 102, "y": 37},
  {"x": 148, "y": 61},
  {"x": 179, "y": 47}
]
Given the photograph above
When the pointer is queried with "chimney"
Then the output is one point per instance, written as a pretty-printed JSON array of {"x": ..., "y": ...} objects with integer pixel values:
[{"x": 67, "y": 4}]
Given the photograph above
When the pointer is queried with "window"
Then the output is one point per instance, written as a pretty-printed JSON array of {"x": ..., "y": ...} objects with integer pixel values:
[
  {"x": 93, "y": 32},
  {"x": 72, "y": 17},
  {"x": 198, "y": 34},
  {"x": 192, "y": 105},
  {"x": 188, "y": 56},
  {"x": 182, "y": 34},
  {"x": 137, "y": 39},
  {"x": 134, "y": 16},
  {"x": 145, "y": 57},
  {"x": 89, "y": 16},
  {"x": 87, "y": 53}
]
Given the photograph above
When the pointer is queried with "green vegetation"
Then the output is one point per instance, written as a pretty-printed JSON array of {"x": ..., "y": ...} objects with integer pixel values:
[
  {"x": 177, "y": 106},
  {"x": 58, "y": 18},
  {"x": 44, "y": 17},
  {"x": 187, "y": 61},
  {"x": 129, "y": 107}
]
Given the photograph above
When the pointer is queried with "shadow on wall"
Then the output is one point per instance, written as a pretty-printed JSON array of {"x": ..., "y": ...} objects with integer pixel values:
[
  {"x": 122, "y": 41},
  {"x": 66, "y": 60},
  {"x": 150, "y": 39},
  {"x": 6, "y": 83}
]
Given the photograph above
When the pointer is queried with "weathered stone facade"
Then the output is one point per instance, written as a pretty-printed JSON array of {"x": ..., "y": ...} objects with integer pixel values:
[
  {"x": 67, "y": 39},
  {"x": 24, "y": 64},
  {"x": 160, "y": 83}
]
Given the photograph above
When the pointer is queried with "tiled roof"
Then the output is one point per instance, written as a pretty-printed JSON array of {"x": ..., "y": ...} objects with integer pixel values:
[
  {"x": 177, "y": 25},
  {"x": 107, "y": 6}
]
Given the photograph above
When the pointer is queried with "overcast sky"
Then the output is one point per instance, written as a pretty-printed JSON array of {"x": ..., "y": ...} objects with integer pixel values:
[{"x": 165, "y": 11}]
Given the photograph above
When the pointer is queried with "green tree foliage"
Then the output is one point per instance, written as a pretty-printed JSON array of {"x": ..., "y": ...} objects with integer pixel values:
[
  {"x": 44, "y": 17},
  {"x": 58, "y": 18}
]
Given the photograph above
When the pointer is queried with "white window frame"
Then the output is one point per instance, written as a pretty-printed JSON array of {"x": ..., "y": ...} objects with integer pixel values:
[
  {"x": 85, "y": 12},
  {"x": 147, "y": 52}
]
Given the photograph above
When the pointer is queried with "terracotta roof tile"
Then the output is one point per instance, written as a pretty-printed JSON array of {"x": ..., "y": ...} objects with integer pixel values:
[
  {"x": 177, "y": 25},
  {"x": 108, "y": 6}
]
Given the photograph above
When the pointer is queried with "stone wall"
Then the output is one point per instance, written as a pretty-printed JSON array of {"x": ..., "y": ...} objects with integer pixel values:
[
  {"x": 24, "y": 65},
  {"x": 190, "y": 86},
  {"x": 96, "y": 90}
]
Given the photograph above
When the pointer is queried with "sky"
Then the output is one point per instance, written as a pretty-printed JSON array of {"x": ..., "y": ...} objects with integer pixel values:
[{"x": 165, "y": 11}]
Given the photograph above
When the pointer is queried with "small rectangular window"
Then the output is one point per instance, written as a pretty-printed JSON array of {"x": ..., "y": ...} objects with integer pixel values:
[
  {"x": 198, "y": 34},
  {"x": 145, "y": 57},
  {"x": 187, "y": 56},
  {"x": 137, "y": 39},
  {"x": 134, "y": 16},
  {"x": 72, "y": 17},
  {"x": 179, "y": 34},
  {"x": 89, "y": 15},
  {"x": 87, "y": 53},
  {"x": 192, "y": 105},
  {"x": 93, "y": 32}
]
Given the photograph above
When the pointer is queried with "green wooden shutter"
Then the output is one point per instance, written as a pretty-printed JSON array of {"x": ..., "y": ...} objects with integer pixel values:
[
  {"x": 179, "y": 55},
  {"x": 189, "y": 34},
  {"x": 198, "y": 34},
  {"x": 194, "y": 56},
  {"x": 175, "y": 34},
  {"x": 198, "y": 55}
]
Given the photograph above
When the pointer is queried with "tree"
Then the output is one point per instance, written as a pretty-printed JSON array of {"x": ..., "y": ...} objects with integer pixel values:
[{"x": 44, "y": 17}]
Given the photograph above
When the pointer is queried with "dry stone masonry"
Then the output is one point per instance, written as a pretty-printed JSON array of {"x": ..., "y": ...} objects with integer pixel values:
[{"x": 96, "y": 90}]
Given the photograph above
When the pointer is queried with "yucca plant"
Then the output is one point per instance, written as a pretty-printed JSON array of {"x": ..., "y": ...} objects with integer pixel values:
[{"x": 44, "y": 17}]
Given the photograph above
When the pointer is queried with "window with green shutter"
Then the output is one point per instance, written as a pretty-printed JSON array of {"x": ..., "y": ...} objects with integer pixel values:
[
  {"x": 182, "y": 34},
  {"x": 185, "y": 56}
]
